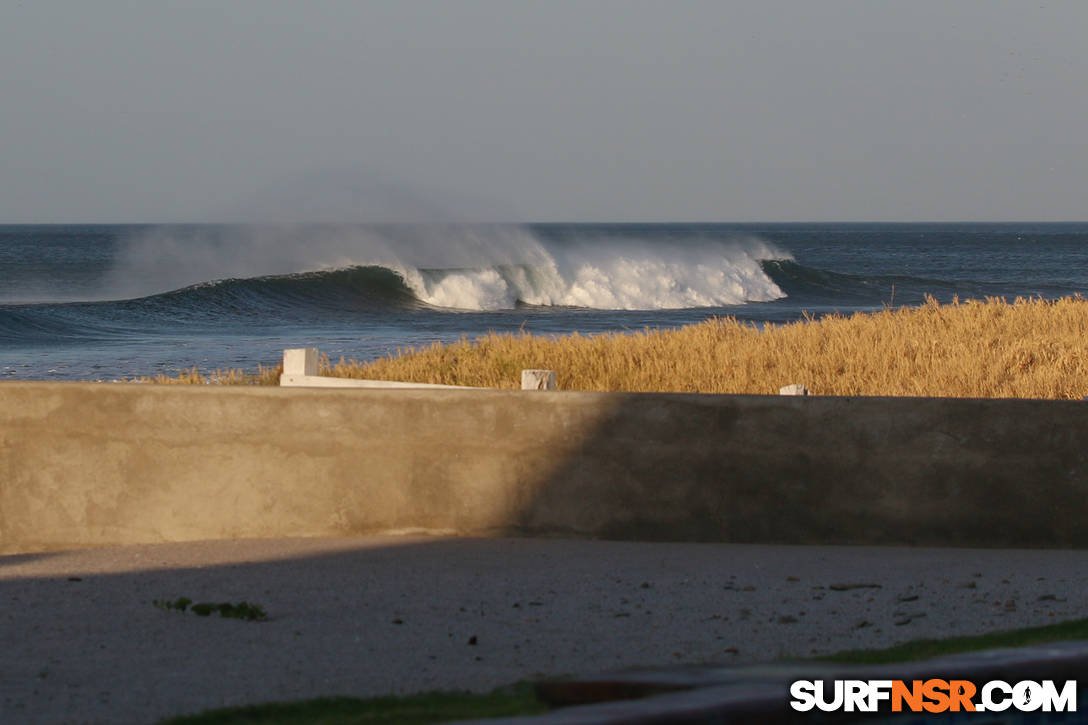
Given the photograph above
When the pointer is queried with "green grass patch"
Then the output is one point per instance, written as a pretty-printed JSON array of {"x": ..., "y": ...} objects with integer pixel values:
[
  {"x": 430, "y": 707},
  {"x": 520, "y": 698},
  {"x": 241, "y": 610},
  {"x": 925, "y": 648}
]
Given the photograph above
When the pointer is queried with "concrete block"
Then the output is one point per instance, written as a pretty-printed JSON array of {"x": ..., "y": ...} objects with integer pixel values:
[
  {"x": 795, "y": 389},
  {"x": 300, "y": 361},
  {"x": 538, "y": 380}
]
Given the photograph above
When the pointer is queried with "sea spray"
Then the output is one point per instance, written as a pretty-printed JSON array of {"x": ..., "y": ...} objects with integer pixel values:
[{"x": 483, "y": 267}]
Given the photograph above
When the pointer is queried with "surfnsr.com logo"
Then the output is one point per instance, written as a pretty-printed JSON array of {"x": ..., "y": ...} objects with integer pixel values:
[{"x": 933, "y": 695}]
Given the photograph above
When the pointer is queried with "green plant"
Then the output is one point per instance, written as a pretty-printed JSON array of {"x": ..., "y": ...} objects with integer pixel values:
[
  {"x": 180, "y": 604},
  {"x": 241, "y": 610},
  {"x": 920, "y": 649},
  {"x": 421, "y": 709}
]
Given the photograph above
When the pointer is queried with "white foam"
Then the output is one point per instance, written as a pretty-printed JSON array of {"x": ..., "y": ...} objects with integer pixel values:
[{"x": 616, "y": 274}]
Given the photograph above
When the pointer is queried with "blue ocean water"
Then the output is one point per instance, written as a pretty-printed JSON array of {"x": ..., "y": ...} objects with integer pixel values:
[{"x": 108, "y": 302}]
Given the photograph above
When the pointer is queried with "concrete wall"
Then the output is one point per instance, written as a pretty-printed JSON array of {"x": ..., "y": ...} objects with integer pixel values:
[{"x": 96, "y": 464}]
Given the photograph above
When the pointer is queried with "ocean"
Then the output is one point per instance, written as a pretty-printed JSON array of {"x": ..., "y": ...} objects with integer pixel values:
[{"x": 114, "y": 302}]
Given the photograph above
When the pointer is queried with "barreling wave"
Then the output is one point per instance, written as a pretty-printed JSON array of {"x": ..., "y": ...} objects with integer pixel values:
[
  {"x": 634, "y": 282},
  {"x": 460, "y": 267},
  {"x": 253, "y": 277}
]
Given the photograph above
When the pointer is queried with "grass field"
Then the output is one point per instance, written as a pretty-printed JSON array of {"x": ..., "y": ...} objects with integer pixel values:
[{"x": 979, "y": 349}]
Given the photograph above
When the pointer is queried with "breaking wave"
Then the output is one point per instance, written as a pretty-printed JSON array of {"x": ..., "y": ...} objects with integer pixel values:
[{"x": 460, "y": 268}]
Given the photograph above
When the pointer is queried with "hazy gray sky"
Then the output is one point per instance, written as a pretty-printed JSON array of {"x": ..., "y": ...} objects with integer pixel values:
[{"x": 543, "y": 110}]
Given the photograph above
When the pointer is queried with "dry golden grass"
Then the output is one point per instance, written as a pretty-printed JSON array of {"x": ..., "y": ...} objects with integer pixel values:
[
  {"x": 193, "y": 376},
  {"x": 992, "y": 348}
]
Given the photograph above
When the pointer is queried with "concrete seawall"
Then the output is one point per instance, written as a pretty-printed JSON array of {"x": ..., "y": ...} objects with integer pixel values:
[{"x": 99, "y": 464}]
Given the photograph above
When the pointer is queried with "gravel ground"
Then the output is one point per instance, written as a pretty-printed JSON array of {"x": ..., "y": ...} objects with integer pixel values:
[{"x": 81, "y": 641}]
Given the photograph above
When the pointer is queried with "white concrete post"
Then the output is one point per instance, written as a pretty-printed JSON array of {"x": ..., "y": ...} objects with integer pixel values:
[
  {"x": 538, "y": 380},
  {"x": 300, "y": 370},
  {"x": 795, "y": 389},
  {"x": 300, "y": 361}
]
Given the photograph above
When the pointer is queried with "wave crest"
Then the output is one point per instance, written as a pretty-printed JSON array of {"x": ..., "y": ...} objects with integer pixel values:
[{"x": 464, "y": 268}]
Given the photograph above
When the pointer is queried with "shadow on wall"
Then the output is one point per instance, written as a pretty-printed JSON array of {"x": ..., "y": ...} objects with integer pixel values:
[
  {"x": 938, "y": 472},
  {"x": 89, "y": 465}
]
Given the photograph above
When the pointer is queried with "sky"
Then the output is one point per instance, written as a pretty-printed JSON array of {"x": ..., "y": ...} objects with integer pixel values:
[{"x": 543, "y": 110}]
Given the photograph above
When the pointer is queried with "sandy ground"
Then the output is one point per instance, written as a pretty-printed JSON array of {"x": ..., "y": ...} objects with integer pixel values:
[{"x": 80, "y": 640}]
